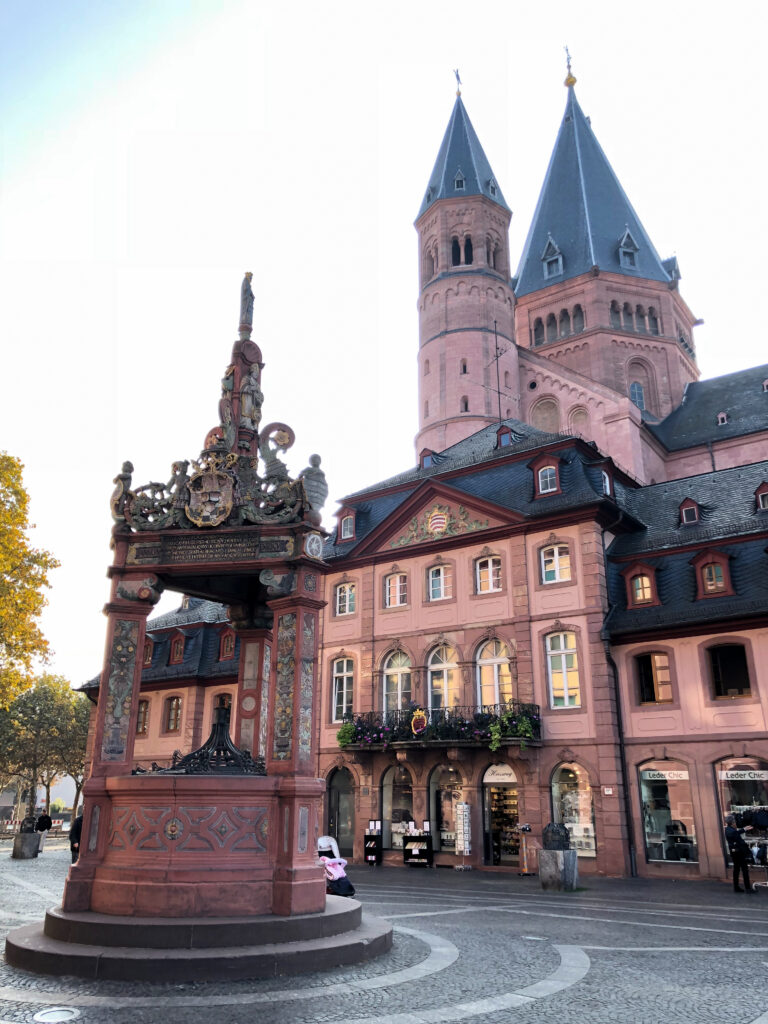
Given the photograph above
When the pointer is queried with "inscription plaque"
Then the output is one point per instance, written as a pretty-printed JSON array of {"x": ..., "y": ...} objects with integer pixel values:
[{"x": 209, "y": 548}]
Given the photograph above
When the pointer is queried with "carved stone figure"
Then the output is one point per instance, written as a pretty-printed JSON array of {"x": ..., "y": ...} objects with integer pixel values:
[
  {"x": 226, "y": 419},
  {"x": 315, "y": 484},
  {"x": 246, "y": 302},
  {"x": 178, "y": 489},
  {"x": 251, "y": 399},
  {"x": 121, "y": 493}
]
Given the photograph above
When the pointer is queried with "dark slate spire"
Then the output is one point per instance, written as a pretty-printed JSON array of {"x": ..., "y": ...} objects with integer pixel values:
[
  {"x": 585, "y": 215},
  {"x": 461, "y": 157}
]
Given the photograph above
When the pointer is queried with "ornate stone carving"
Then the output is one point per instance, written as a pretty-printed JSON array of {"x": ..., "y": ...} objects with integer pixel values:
[
  {"x": 286, "y": 666},
  {"x": 246, "y": 304},
  {"x": 277, "y": 585},
  {"x": 251, "y": 399},
  {"x": 122, "y": 663},
  {"x": 121, "y": 493},
  {"x": 436, "y": 523},
  {"x": 315, "y": 484},
  {"x": 149, "y": 589}
]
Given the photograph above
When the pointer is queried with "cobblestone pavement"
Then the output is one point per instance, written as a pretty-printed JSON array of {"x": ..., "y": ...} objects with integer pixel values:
[{"x": 485, "y": 948}]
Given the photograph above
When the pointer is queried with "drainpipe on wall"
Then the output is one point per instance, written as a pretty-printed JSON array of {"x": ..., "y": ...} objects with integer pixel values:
[{"x": 604, "y": 635}]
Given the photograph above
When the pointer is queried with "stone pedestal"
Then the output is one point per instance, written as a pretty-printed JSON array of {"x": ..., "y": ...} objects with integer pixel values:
[
  {"x": 26, "y": 845},
  {"x": 559, "y": 870}
]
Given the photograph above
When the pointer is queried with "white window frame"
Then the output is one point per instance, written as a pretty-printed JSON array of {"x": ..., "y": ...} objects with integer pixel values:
[
  {"x": 395, "y": 590},
  {"x": 347, "y": 527},
  {"x": 443, "y": 676},
  {"x": 605, "y": 477},
  {"x": 488, "y": 575},
  {"x": 345, "y": 599},
  {"x": 558, "y": 664},
  {"x": 498, "y": 660},
  {"x": 562, "y": 571},
  {"x": 343, "y": 674},
  {"x": 397, "y": 668},
  {"x": 688, "y": 519},
  {"x": 549, "y": 480},
  {"x": 439, "y": 583},
  {"x": 762, "y": 501}
]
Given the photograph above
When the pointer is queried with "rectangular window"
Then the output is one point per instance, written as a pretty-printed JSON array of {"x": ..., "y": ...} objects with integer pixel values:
[
  {"x": 563, "y": 670},
  {"x": 347, "y": 527},
  {"x": 653, "y": 678},
  {"x": 142, "y": 719},
  {"x": 690, "y": 514},
  {"x": 713, "y": 578},
  {"x": 488, "y": 575},
  {"x": 395, "y": 590},
  {"x": 173, "y": 714},
  {"x": 730, "y": 673},
  {"x": 555, "y": 564},
  {"x": 440, "y": 583},
  {"x": 345, "y": 598},
  {"x": 343, "y": 680},
  {"x": 147, "y": 653},
  {"x": 177, "y": 651}
]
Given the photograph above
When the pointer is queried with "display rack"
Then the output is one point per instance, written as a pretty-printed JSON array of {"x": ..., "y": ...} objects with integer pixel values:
[
  {"x": 417, "y": 849},
  {"x": 372, "y": 846}
]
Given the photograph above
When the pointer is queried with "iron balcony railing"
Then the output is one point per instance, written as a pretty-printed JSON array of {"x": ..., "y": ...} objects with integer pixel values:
[{"x": 485, "y": 725}]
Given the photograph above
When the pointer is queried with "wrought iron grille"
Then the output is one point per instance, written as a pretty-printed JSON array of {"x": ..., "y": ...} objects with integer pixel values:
[{"x": 471, "y": 724}]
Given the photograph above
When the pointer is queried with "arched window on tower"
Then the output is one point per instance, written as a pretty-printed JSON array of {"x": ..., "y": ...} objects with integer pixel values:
[
  {"x": 640, "y": 316},
  {"x": 429, "y": 266},
  {"x": 497, "y": 258},
  {"x": 538, "y": 331},
  {"x": 641, "y": 390},
  {"x": 628, "y": 318},
  {"x": 488, "y": 253},
  {"x": 455, "y": 253},
  {"x": 464, "y": 404},
  {"x": 578, "y": 319},
  {"x": 463, "y": 366},
  {"x": 565, "y": 323},
  {"x": 653, "y": 321},
  {"x": 507, "y": 381},
  {"x": 551, "y": 327},
  {"x": 637, "y": 394},
  {"x": 467, "y": 250},
  {"x": 615, "y": 315}
]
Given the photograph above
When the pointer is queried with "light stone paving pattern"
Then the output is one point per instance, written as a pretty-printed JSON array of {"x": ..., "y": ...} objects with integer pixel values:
[{"x": 487, "y": 948}]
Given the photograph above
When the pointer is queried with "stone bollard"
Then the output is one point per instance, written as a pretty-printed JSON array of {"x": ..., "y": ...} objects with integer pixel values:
[
  {"x": 559, "y": 870},
  {"x": 25, "y": 845}
]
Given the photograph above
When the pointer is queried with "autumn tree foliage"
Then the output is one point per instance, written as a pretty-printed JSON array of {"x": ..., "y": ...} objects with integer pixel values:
[{"x": 23, "y": 579}]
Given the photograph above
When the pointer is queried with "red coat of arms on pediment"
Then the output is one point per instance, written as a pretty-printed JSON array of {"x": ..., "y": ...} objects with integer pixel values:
[{"x": 436, "y": 522}]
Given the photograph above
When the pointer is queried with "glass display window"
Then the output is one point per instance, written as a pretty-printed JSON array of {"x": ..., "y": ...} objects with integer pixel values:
[
  {"x": 396, "y": 806},
  {"x": 444, "y": 793},
  {"x": 501, "y": 815},
  {"x": 667, "y": 805},
  {"x": 573, "y": 806},
  {"x": 742, "y": 788}
]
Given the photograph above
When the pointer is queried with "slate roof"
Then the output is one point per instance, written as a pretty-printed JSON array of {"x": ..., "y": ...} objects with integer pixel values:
[
  {"x": 460, "y": 151},
  {"x": 584, "y": 210},
  {"x": 694, "y": 421}
]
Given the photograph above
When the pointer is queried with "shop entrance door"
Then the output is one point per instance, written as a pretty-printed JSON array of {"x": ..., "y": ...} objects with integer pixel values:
[
  {"x": 341, "y": 810},
  {"x": 501, "y": 841}
]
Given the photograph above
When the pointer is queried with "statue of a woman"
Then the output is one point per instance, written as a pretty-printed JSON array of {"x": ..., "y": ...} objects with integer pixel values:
[
  {"x": 251, "y": 399},
  {"x": 246, "y": 302}
]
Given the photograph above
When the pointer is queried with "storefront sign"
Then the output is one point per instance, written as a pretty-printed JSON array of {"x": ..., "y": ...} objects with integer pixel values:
[
  {"x": 744, "y": 775},
  {"x": 654, "y": 774},
  {"x": 500, "y": 773}
]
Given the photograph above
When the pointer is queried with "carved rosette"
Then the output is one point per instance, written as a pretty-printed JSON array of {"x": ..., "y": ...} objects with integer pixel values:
[{"x": 197, "y": 829}]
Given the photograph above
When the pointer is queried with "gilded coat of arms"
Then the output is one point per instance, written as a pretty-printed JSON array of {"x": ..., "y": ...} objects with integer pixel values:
[{"x": 210, "y": 498}]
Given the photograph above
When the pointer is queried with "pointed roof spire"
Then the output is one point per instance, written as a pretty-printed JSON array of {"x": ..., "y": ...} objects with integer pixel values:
[
  {"x": 584, "y": 207},
  {"x": 461, "y": 168}
]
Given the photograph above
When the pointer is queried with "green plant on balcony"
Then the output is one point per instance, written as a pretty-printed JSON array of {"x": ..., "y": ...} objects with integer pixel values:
[
  {"x": 510, "y": 724},
  {"x": 347, "y": 734}
]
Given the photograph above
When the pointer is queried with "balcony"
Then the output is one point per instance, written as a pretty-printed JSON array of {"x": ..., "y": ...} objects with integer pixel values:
[{"x": 490, "y": 725}]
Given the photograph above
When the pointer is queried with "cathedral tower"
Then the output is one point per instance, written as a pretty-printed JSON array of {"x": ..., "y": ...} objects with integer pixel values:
[{"x": 465, "y": 289}]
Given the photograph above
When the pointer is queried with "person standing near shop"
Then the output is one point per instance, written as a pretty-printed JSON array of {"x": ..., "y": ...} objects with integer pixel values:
[{"x": 739, "y": 851}]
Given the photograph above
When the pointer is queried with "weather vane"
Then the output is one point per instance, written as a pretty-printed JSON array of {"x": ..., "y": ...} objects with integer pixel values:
[
  {"x": 570, "y": 78},
  {"x": 458, "y": 81}
]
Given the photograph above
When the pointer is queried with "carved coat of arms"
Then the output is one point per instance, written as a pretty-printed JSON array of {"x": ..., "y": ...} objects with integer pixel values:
[{"x": 210, "y": 498}]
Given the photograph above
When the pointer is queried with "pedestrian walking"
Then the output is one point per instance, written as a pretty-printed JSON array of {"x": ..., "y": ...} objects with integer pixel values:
[
  {"x": 741, "y": 855},
  {"x": 74, "y": 836},
  {"x": 43, "y": 825}
]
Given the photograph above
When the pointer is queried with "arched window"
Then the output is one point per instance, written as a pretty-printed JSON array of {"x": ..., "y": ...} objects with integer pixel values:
[
  {"x": 488, "y": 251},
  {"x": 494, "y": 677},
  {"x": 464, "y": 403},
  {"x": 555, "y": 564},
  {"x": 551, "y": 327},
  {"x": 429, "y": 267},
  {"x": 628, "y": 320},
  {"x": 227, "y": 646},
  {"x": 729, "y": 671},
  {"x": 463, "y": 366},
  {"x": 396, "y": 806},
  {"x": 395, "y": 590},
  {"x": 653, "y": 321},
  {"x": 343, "y": 687},
  {"x": 654, "y": 683},
  {"x": 172, "y": 717},
  {"x": 546, "y": 416},
  {"x": 615, "y": 315},
  {"x": 443, "y": 678},
  {"x": 538, "y": 331},
  {"x": 579, "y": 421},
  {"x": 142, "y": 718},
  {"x": 468, "y": 250},
  {"x": 547, "y": 480},
  {"x": 497, "y": 258},
  {"x": 347, "y": 527},
  {"x": 426, "y": 367},
  {"x": 605, "y": 479},
  {"x": 572, "y": 806},
  {"x": 565, "y": 323},
  {"x": 668, "y": 826},
  {"x": 578, "y": 319},
  {"x": 563, "y": 670},
  {"x": 455, "y": 253},
  {"x": 397, "y": 681},
  {"x": 507, "y": 379},
  {"x": 640, "y": 319},
  {"x": 637, "y": 394}
]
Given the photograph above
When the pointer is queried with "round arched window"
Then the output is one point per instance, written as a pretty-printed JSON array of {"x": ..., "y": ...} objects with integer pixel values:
[
  {"x": 494, "y": 678},
  {"x": 572, "y": 806}
]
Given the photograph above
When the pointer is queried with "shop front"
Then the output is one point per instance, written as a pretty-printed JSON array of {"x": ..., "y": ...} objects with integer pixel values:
[
  {"x": 445, "y": 789},
  {"x": 667, "y": 807},
  {"x": 396, "y": 806},
  {"x": 742, "y": 789},
  {"x": 501, "y": 840},
  {"x": 573, "y": 806}
]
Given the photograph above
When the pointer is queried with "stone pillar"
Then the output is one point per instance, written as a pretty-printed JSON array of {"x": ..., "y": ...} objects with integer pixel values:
[
  {"x": 253, "y": 679},
  {"x": 132, "y": 599},
  {"x": 299, "y": 883}
]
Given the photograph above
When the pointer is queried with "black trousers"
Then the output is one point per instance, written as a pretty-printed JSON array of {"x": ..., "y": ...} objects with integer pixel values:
[{"x": 740, "y": 864}]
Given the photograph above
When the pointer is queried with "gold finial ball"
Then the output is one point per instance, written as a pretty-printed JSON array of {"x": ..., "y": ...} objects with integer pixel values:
[{"x": 570, "y": 80}]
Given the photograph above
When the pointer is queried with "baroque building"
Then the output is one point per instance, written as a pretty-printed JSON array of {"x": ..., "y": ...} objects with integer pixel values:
[{"x": 560, "y": 613}]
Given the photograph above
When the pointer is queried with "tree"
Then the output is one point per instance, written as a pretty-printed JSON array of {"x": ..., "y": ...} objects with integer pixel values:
[
  {"x": 71, "y": 741},
  {"x": 23, "y": 575}
]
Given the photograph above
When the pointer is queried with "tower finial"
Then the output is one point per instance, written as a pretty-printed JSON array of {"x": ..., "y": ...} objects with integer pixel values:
[
  {"x": 570, "y": 78},
  {"x": 458, "y": 81}
]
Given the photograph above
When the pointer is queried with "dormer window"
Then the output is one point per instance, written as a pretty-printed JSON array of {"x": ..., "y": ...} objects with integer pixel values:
[
  {"x": 761, "y": 497},
  {"x": 640, "y": 581},
  {"x": 492, "y": 187},
  {"x": 426, "y": 459},
  {"x": 713, "y": 578},
  {"x": 458, "y": 182},
  {"x": 722, "y": 419},
  {"x": 227, "y": 646},
  {"x": 503, "y": 437},
  {"x": 347, "y": 527},
  {"x": 177, "y": 651},
  {"x": 628, "y": 249},
  {"x": 689, "y": 512},
  {"x": 546, "y": 474},
  {"x": 606, "y": 482},
  {"x": 552, "y": 258}
]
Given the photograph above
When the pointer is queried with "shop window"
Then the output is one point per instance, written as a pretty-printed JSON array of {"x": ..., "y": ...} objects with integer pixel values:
[
  {"x": 439, "y": 583},
  {"x": 395, "y": 590},
  {"x": 500, "y": 815},
  {"x": 172, "y": 719},
  {"x": 654, "y": 682},
  {"x": 397, "y": 681},
  {"x": 142, "y": 718},
  {"x": 347, "y": 530},
  {"x": 555, "y": 564},
  {"x": 572, "y": 806},
  {"x": 148, "y": 645},
  {"x": 487, "y": 575},
  {"x": 444, "y": 794},
  {"x": 343, "y": 685},
  {"x": 742, "y": 788},
  {"x": 344, "y": 598},
  {"x": 667, "y": 808},
  {"x": 177, "y": 651},
  {"x": 494, "y": 675},
  {"x": 563, "y": 670},
  {"x": 227, "y": 646},
  {"x": 396, "y": 806},
  {"x": 443, "y": 678},
  {"x": 729, "y": 671}
]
